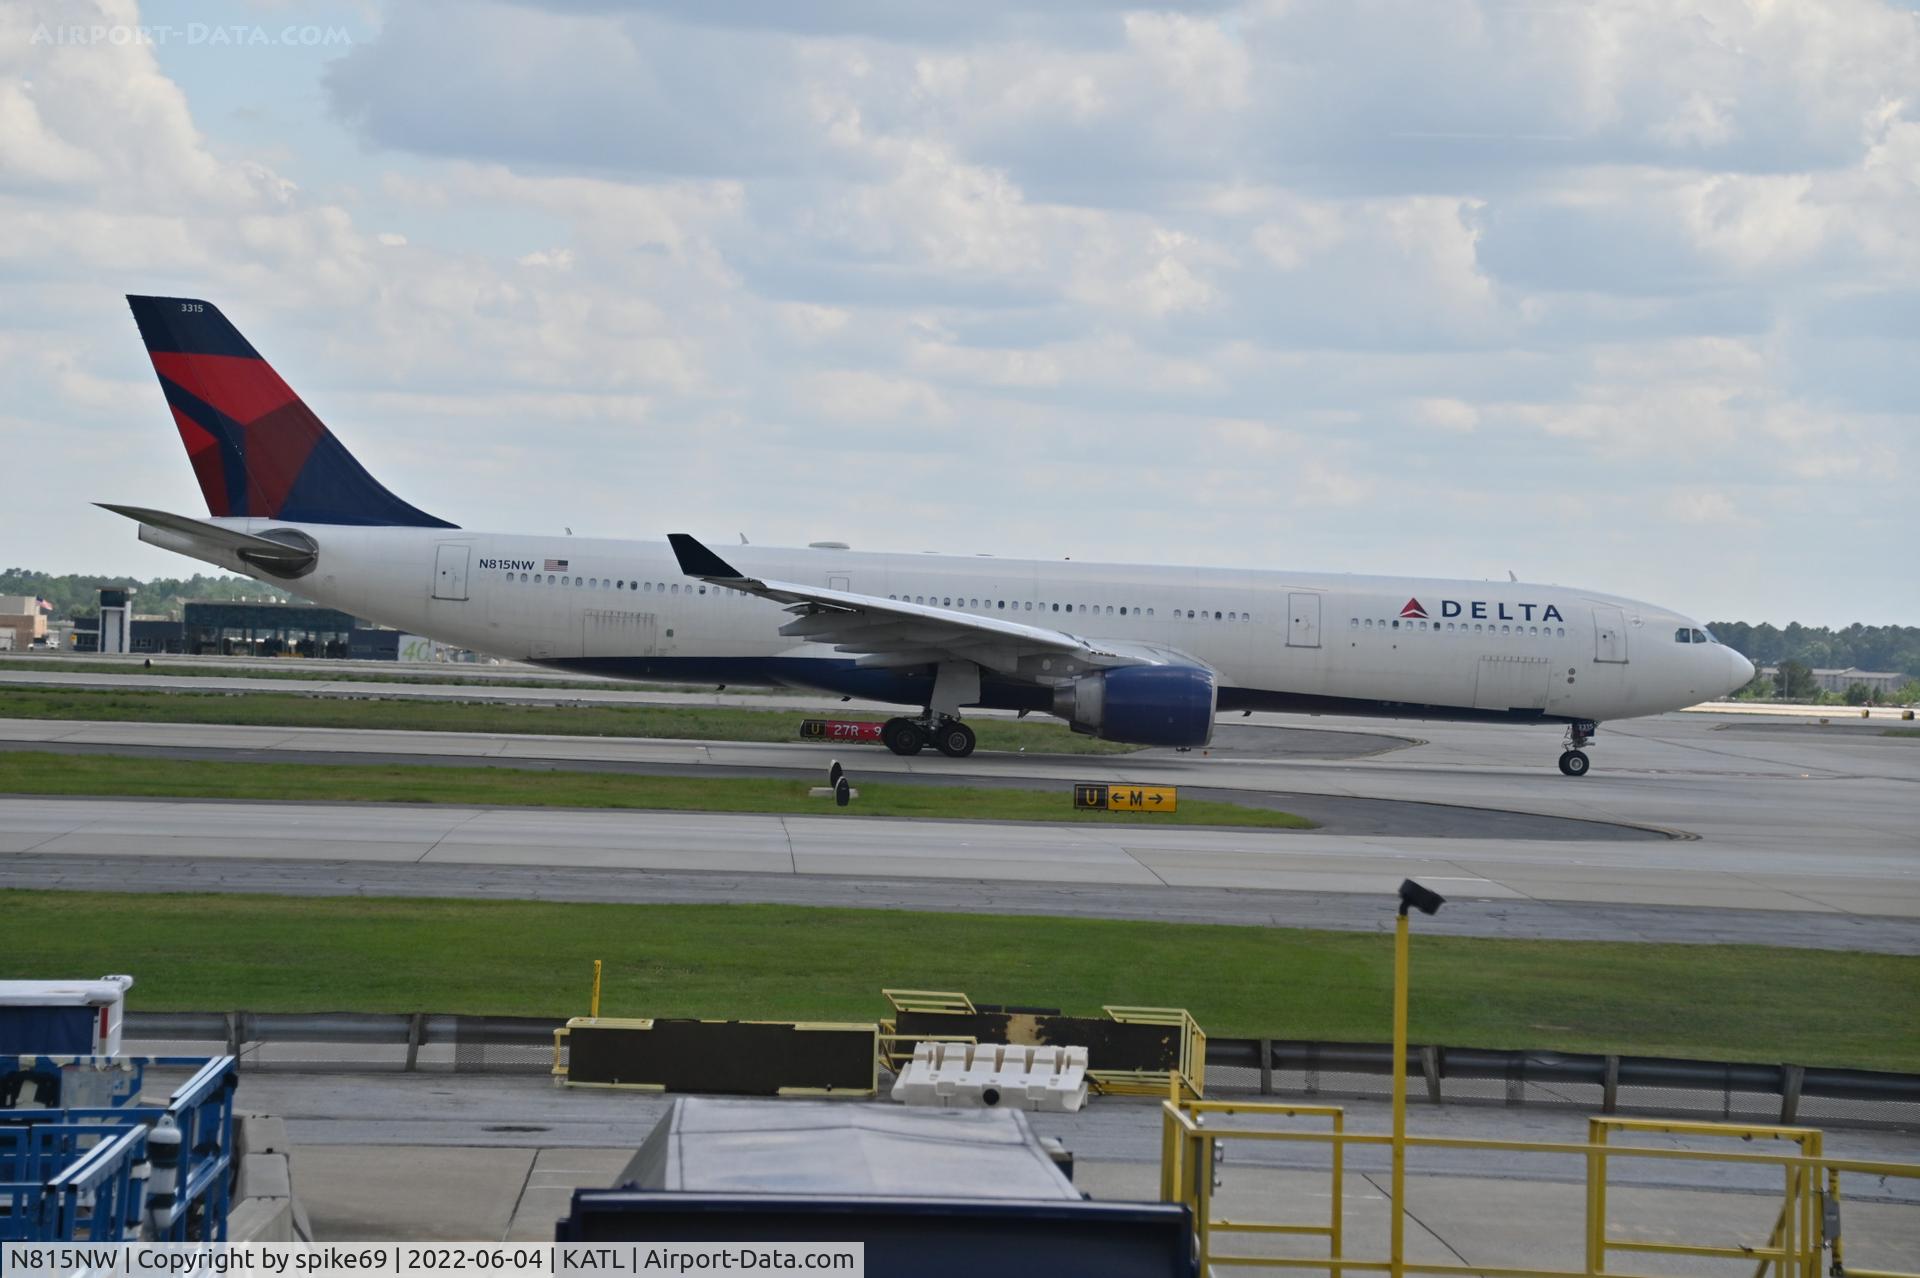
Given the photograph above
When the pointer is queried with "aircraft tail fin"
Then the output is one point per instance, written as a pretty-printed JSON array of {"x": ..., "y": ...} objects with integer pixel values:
[{"x": 256, "y": 447}]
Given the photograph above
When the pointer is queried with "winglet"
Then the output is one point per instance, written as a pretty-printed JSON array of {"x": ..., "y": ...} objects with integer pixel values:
[{"x": 697, "y": 561}]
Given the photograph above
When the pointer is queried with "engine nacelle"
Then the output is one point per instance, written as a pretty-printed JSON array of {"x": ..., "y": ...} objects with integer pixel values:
[{"x": 1143, "y": 705}]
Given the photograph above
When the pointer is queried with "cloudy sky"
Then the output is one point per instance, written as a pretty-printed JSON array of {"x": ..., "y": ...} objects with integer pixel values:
[{"x": 1624, "y": 294}]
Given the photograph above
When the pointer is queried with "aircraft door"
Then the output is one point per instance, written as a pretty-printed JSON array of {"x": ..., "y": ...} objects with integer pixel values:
[
  {"x": 1609, "y": 635},
  {"x": 450, "y": 571},
  {"x": 1303, "y": 621}
]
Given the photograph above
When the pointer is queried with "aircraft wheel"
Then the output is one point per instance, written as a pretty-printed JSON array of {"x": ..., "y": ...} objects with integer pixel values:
[
  {"x": 1575, "y": 763},
  {"x": 902, "y": 736},
  {"x": 954, "y": 739}
]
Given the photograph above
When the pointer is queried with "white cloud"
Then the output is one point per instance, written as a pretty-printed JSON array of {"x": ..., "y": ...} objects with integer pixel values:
[
  {"x": 851, "y": 395},
  {"x": 1444, "y": 414},
  {"x": 1387, "y": 287}
]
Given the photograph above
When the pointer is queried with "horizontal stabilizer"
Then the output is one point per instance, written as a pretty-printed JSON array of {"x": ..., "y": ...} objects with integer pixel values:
[{"x": 287, "y": 557}]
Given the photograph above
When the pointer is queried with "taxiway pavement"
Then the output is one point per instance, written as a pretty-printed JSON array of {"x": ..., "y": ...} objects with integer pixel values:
[{"x": 1795, "y": 838}]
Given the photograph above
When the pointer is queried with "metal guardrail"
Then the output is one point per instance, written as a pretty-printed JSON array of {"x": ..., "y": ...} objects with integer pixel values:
[{"x": 1605, "y": 1084}]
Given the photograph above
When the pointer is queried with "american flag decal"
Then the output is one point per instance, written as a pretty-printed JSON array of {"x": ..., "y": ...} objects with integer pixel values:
[{"x": 555, "y": 565}]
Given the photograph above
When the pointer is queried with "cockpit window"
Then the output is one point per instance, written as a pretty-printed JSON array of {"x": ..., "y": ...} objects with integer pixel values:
[
  {"x": 1700, "y": 636},
  {"x": 1683, "y": 635}
]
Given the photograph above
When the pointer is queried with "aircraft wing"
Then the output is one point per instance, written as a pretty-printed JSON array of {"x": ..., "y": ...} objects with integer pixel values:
[{"x": 893, "y": 632}]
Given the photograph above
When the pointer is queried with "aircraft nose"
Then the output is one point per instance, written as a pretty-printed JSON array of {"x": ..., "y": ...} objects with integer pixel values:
[{"x": 1742, "y": 671}]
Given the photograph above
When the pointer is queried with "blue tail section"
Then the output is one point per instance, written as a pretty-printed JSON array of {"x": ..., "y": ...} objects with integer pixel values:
[{"x": 256, "y": 447}]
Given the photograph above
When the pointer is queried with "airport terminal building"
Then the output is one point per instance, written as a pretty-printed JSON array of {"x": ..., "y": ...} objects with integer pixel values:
[{"x": 231, "y": 629}]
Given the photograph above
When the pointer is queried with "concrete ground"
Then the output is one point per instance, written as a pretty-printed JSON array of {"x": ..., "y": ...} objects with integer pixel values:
[
  {"x": 1796, "y": 838},
  {"x": 379, "y": 1156}
]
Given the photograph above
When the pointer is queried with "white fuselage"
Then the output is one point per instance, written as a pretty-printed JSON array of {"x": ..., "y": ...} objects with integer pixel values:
[{"x": 1276, "y": 640}]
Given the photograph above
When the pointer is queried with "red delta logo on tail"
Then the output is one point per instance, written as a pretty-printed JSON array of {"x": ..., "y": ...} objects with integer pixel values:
[
  {"x": 256, "y": 447},
  {"x": 1413, "y": 609}
]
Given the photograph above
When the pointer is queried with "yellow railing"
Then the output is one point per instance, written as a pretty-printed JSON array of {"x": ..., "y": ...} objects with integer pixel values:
[
  {"x": 1810, "y": 1188},
  {"x": 1192, "y": 1065}
]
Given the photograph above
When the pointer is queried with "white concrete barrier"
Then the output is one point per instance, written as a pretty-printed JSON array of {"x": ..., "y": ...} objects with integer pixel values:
[{"x": 1052, "y": 1079}]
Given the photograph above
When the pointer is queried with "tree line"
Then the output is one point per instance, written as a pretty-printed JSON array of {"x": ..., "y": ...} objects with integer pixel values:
[
  {"x": 77, "y": 595},
  {"x": 1891, "y": 648}
]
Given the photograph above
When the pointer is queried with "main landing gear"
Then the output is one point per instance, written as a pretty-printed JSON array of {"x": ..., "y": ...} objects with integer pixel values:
[
  {"x": 955, "y": 684},
  {"x": 1573, "y": 760},
  {"x": 910, "y": 736}
]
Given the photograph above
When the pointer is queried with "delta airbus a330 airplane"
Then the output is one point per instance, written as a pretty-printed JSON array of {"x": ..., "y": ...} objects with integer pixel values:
[{"x": 1128, "y": 653}]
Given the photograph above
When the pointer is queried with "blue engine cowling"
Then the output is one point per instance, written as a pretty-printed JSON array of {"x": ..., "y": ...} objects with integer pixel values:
[{"x": 1142, "y": 705}]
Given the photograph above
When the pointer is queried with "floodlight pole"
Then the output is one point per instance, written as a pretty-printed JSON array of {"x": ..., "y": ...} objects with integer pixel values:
[{"x": 1396, "y": 1249}]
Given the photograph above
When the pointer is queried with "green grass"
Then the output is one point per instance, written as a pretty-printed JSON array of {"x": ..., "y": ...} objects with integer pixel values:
[
  {"x": 292, "y": 710},
  {"x": 294, "y": 669},
  {"x": 266, "y": 953},
  {"x": 38, "y": 772},
  {"x": 1900, "y": 732}
]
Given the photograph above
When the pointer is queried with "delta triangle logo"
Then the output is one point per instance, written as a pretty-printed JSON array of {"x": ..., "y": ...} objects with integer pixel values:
[{"x": 1413, "y": 609}]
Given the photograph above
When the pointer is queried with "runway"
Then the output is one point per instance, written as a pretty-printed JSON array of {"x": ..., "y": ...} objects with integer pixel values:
[{"x": 1786, "y": 839}]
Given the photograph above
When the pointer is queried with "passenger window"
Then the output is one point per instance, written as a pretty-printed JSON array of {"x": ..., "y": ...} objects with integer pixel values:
[
  {"x": 1149, "y": 612},
  {"x": 1123, "y": 610},
  {"x": 595, "y": 582},
  {"x": 1561, "y": 633},
  {"x": 1069, "y": 607},
  {"x": 1369, "y": 623},
  {"x": 1396, "y": 623}
]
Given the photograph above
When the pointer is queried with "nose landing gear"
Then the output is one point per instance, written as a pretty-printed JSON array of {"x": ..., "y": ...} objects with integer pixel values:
[{"x": 1573, "y": 760}]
